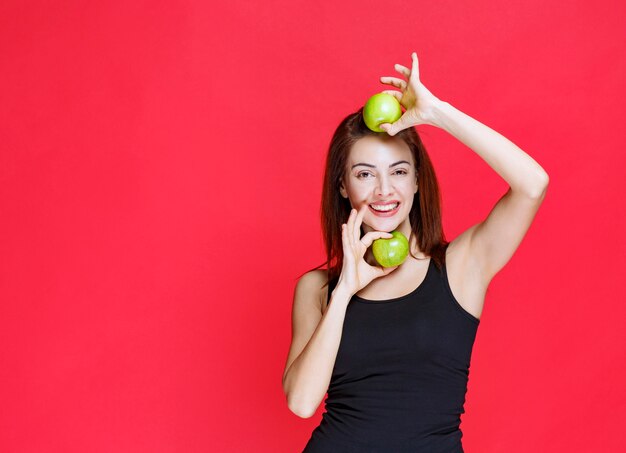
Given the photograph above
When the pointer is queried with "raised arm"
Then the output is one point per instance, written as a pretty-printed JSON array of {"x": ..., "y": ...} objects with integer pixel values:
[
  {"x": 491, "y": 243},
  {"x": 517, "y": 168}
]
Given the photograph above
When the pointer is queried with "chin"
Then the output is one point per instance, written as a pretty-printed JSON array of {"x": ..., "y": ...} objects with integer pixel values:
[{"x": 386, "y": 225}]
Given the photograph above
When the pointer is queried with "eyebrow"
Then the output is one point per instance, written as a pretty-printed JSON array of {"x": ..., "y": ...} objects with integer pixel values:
[{"x": 374, "y": 166}]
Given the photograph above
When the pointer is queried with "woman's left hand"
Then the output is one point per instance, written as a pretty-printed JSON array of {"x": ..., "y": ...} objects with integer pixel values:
[{"x": 418, "y": 101}]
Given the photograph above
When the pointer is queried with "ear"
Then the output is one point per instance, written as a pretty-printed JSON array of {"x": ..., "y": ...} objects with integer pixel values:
[{"x": 342, "y": 190}]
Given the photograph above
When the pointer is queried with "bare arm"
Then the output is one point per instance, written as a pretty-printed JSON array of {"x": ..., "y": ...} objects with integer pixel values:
[
  {"x": 492, "y": 242},
  {"x": 307, "y": 377},
  {"x": 316, "y": 337},
  {"x": 524, "y": 175}
]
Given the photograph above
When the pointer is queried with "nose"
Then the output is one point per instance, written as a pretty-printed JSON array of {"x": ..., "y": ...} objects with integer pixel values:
[{"x": 384, "y": 187}]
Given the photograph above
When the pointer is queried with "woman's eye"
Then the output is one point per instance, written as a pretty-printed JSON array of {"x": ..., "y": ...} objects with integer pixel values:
[{"x": 363, "y": 173}]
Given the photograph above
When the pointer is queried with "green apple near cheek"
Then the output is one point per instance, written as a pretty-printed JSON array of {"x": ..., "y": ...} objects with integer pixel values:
[
  {"x": 391, "y": 252},
  {"x": 381, "y": 108}
]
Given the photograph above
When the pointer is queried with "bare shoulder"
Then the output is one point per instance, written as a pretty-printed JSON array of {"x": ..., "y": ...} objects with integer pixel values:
[
  {"x": 467, "y": 284},
  {"x": 306, "y": 312},
  {"x": 312, "y": 283}
]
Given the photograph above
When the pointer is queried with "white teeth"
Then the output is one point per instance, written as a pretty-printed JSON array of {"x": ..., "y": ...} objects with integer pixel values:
[{"x": 387, "y": 207}]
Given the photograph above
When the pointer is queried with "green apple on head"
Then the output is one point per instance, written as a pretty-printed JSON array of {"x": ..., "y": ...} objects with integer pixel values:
[{"x": 381, "y": 108}]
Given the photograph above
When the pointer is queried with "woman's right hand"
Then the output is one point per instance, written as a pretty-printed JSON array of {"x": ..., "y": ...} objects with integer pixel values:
[{"x": 356, "y": 273}]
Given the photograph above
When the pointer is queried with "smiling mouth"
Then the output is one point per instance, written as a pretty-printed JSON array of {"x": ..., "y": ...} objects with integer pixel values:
[{"x": 384, "y": 210}]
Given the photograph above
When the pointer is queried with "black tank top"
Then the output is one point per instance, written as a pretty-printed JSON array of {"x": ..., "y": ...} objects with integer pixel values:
[{"x": 401, "y": 372}]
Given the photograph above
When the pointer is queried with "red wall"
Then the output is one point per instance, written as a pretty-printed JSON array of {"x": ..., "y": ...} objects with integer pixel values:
[{"x": 160, "y": 176}]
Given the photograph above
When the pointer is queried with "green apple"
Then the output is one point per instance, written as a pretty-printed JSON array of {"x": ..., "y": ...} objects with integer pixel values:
[
  {"x": 391, "y": 252},
  {"x": 381, "y": 108}
]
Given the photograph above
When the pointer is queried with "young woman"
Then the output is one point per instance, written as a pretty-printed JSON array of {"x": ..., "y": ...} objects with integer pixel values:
[{"x": 392, "y": 346}]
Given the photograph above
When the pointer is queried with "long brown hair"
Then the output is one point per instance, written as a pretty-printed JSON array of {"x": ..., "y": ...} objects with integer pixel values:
[{"x": 425, "y": 215}]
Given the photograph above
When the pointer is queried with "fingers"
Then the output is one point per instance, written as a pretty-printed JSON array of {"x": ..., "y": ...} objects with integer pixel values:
[
  {"x": 382, "y": 271},
  {"x": 393, "y": 128},
  {"x": 345, "y": 240},
  {"x": 369, "y": 238},
  {"x": 350, "y": 225},
  {"x": 390, "y": 128},
  {"x": 406, "y": 72},
  {"x": 395, "y": 94},
  {"x": 415, "y": 65},
  {"x": 389, "y": 270},
  {"x": 396, "y": 82},
  {"x": 357, "y": 222},
  {"x": 403, "y": 70}
]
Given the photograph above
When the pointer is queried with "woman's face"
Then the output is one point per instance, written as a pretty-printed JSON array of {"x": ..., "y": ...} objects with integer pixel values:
[{"x": 380, "y": 173}]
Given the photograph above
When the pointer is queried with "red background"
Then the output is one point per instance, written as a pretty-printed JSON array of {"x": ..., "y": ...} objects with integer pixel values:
[{"x": 160, "y": 177}]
